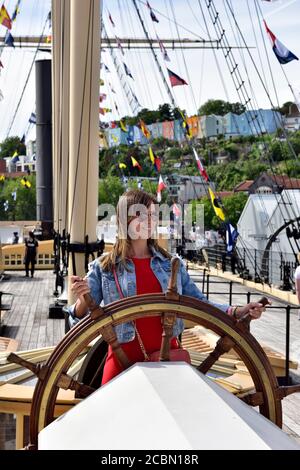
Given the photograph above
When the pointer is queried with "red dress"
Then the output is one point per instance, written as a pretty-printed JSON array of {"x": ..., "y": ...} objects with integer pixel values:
[{"x": 150, "y": 329}]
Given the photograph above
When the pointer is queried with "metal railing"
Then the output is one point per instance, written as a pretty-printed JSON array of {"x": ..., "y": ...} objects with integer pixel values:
[
  {"x": 274, "y": 269},
  {"x": 206, "y": 283}
]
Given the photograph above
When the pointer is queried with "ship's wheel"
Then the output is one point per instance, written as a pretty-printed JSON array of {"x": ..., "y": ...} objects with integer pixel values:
[{"x": 53, "y": 375}]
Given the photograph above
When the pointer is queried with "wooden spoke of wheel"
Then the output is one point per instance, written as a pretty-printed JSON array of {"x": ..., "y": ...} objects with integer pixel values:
[{"x": 150, "y": 305}]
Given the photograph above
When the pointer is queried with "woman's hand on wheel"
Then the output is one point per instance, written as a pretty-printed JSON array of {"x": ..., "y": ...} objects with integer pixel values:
[
  {"x": 254, "y": 309},
  {"x": 79, "y": 286}
]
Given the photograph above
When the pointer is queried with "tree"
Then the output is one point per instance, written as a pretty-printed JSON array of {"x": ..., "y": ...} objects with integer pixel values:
[
  {"x": 11, "y": 145},
  {"x": 165, "y": 112},
  {"x": 110, "y": 189},
  {"x": 284, "y": 109},
  {"x": 220, "y": 108},
  {"x": 23, "y": 205},
  {"x": 233, "y": 206}
]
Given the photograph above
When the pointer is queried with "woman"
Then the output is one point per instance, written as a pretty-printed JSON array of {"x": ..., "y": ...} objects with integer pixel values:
[{"x": 141, "y": 267}]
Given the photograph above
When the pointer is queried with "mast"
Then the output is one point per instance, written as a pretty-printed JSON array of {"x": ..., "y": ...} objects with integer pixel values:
[
  {"x": 84, "y": 127},
  {"x": 60, "y": 103}
]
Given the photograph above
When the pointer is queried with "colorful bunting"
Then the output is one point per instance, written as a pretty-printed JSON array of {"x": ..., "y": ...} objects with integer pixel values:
[
  {"x": 231, "y": 237},
  {"x": 111, "y": 87},
  {"x": 175, "y": 79},
  {"x": 32, "y": 118},
  {"x": 103, "y": 111},
  {"x": 123, "y": 127},
  {"x": 283, "y": 54},
  {"x": 163, "y": 50},
  {"x": 161, "y": 186},
  {"x": 49, "y": 18},
  {"x": 101, "y": 82},
  {"x": 120, "y": 45},
  {"x": 15, "y": 157},
  {"x": 111, "y": 20},
  {"x": 176, "y": 210},
  {"x": 16, "y": 11},
  {"x": 9, "y": 40},
  {"x": 200, "y": 166},
  {"x": 135, "y": 163},
  {"x": 152, "y": 158},
  {"x": 153, "y": 17},
  {"x": 24, "y": 182},
  {"x": 2, "y": 178},
  {"x": 157, "y": 164},
  {"x": 188, "y": 130},
  {"x": 122, "y": 166},
  {"x": 102, "y": 97},
  {"x": 5, "y": 19},
  {"x": 216, "y": 203},
  {"x": 144, "y": 129},
  {"x": 127, "y": 71},
  {"x": 102, "y": 65}
]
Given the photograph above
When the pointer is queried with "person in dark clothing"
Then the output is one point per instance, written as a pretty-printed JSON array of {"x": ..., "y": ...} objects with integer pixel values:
[
  {"x": 31, "y": 245},
  {"x": 16, "y": 238}
]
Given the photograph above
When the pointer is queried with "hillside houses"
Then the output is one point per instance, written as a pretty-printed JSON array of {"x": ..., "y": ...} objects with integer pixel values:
[{"x": 248, "y": 123}]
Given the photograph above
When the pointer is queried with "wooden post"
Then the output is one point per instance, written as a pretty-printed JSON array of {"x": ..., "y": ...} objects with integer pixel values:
[
  {"x": 19, "y": 431},
  {"x": 84, "y": 125}
]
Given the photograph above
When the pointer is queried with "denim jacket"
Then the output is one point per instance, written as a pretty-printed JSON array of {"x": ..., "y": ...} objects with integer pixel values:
[{"x": 104, "y": 290}]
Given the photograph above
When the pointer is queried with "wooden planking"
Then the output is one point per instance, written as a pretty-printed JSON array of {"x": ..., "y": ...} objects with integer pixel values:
[{"x": 28, "y": 321}]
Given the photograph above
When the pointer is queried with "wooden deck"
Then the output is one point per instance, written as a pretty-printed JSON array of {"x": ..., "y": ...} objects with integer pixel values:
[
  {"x": 28, "y": 323},
  {"x": 28, "y": 320}
]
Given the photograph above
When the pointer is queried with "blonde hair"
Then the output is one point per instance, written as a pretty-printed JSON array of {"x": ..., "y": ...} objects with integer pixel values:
[
  {"x": 298, "y": 257},
  {"x": 123, "y": 243}
]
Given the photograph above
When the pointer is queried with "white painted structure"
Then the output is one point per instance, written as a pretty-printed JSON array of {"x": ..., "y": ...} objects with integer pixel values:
[
  {"x": 262, "y": 215},
  {"x": 162, "y": 406}
]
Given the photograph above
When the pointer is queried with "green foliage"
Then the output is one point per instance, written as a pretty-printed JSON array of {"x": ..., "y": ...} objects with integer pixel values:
[
  {"x": 220, "y": 108},
  {"x": 24, "y": 208},
  {"x": 233, "y": 206},
  {"x": 232, "y": 149},
  {"x": 164, "y": 113},
  {"x": 110, "y": 189},
  {"x": 284, "y": 109},
  {"x": 10, "y": 145}
]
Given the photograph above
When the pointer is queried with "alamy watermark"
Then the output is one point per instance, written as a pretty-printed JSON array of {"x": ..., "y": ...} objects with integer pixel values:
[{"x": 176, "y": 221}]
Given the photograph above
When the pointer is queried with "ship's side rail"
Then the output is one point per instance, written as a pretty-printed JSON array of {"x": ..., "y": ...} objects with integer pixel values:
[{"x": 227, "y": 291}]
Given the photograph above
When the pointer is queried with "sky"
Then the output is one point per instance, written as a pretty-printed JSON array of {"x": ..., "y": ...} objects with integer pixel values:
[{"x": 197, "y": 67}]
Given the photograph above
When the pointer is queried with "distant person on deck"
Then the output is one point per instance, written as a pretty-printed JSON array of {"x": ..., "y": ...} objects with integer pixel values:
[
  {"x": 31, "y": 245},
  {"x": 297, "y": 283},
  {"x": 138, "y": 265},
  {"x": 16, "y": 238}
]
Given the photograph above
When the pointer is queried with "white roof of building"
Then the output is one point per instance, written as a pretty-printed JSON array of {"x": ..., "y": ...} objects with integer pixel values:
[{"x": 162, "y": 406}]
